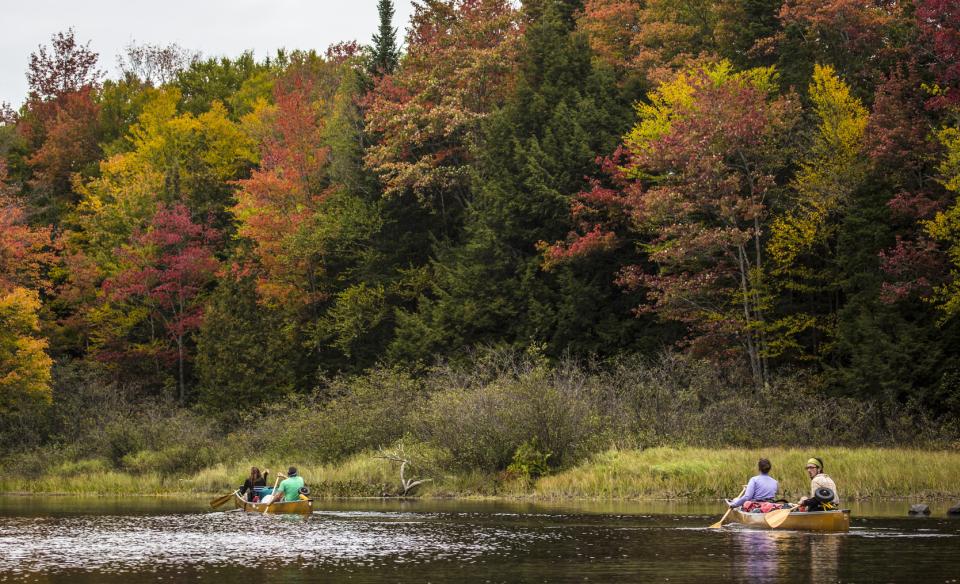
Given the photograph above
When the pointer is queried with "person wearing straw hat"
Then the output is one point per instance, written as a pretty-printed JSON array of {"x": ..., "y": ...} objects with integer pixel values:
[{"x": 820, "y": 483}]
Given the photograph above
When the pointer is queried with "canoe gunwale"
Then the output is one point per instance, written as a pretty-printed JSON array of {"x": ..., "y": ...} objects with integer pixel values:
[
  {"x": 836, "y": 521},
  {"x": 279, "y": 508}
]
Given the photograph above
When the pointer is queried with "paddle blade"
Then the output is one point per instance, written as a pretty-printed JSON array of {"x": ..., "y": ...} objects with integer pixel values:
[
  {"x": 776, "y": 518},
  {"x": 220, "y": 501},
  {"x": 719, "y": 524}
]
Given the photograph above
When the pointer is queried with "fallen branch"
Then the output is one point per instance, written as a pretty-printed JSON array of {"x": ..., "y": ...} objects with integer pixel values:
[{"x": 401, "y": 457}]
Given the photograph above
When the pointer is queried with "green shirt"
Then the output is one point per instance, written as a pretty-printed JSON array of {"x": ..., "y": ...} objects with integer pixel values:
[{"x": 290, "y": 487}]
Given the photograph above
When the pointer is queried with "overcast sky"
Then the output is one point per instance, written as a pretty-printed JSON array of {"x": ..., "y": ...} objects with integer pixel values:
[{"x": 213, "y": 27}]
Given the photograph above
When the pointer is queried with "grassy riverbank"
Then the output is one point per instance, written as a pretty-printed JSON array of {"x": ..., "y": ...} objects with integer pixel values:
[{"x": 655, "y": 473}]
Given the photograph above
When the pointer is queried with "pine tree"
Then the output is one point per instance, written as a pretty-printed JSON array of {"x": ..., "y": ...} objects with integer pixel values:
[
  {"x": 536, "y": 151},
  {"x": 246, "y": 355},
  {"x": 385, "y": 51}
]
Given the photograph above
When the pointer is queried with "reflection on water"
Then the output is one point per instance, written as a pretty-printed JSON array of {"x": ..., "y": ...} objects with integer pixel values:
[
  {"x": 825, "y": 556},
  {"x": 771, "y": 556},
  {"x": 761, "y": 553},
  {"x": 81, "y": 541}
]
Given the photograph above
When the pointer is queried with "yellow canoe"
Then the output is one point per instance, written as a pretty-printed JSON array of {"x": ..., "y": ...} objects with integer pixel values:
[
  {"x": 806, "y": 521},
  {"x": 301, "y": 507}
]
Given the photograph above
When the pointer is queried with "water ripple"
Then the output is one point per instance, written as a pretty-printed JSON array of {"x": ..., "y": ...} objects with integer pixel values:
[{"x": 122, "y": 543}]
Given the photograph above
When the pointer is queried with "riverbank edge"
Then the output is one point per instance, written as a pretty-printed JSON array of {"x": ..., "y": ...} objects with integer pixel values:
[
  {"x": 665, "y": 473},
  {"x": 464, "y": 498}
]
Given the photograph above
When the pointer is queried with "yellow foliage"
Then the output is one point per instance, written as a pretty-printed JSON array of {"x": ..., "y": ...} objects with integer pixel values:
[
  {"x": 793, "y": 235},
  {"x": 843, "y": 119},
  {"x": 801, "y": 237},
  {"x": 673, "y": 98},
  {"x": 950, "y": 166},
  {"x": 174, "y": 158},
  {"x": 833, "y": 168},
  {"x": 945, "y": 226},
  {"x": 835, "y": 164},
  {"x": 24, "y": 364}
]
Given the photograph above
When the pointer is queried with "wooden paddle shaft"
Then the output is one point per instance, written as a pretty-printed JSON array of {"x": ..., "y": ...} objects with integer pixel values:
[{"x": 719, "y": 524}]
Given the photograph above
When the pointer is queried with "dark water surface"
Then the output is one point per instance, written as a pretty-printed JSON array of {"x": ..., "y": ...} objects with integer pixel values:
[{"x": 134, "y": 540}]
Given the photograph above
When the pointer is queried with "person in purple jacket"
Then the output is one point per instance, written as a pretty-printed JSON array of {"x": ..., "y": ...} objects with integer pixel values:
[{"x": 761, "y": 488}]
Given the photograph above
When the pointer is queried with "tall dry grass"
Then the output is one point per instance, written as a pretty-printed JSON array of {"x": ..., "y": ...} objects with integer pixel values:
[
  {"x": 655, "y": 473},
  {"x": 712, "y": 473}
]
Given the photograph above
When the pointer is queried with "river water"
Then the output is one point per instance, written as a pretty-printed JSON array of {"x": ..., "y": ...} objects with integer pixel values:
[{"x": 134, "y": 540}]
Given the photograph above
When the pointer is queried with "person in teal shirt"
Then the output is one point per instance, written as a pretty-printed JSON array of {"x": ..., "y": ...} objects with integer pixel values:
[{"x": 290, "y": 486}]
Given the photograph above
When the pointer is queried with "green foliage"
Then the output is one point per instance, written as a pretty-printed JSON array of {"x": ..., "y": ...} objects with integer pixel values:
[
  {"x": 529, "y": 461},
  {"x": 222, "y": 80},
  {"x": 385, "y": 54},
  {"x": 536, "y": 152},
  {"x": 177, "y": 459},
  {"x": 121, "y": 103},
  {"x": 483, "y": 415},
  {"x": 245, "y": 352},
  {"x": 348, "y": 415}
]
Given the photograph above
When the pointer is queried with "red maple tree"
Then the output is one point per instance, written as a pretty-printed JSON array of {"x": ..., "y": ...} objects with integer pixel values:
[{"x": 166, "y": 268}]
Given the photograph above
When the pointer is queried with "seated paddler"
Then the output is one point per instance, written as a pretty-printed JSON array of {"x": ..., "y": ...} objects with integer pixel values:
[
  {"x": 251, "y": 488},
  {"x": 291, "y": 485},
  {"x": 762, "y": 488},
  {"x": 823, "y": 491}
]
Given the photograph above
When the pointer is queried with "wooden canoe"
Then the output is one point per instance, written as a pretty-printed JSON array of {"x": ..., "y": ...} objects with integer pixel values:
[
  {"x": 806, "y": 521},
  {"x": 302, "y": 507}
]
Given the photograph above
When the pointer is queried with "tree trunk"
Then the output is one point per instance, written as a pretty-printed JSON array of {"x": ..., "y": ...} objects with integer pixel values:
[
  {"x": 752, "y": 351},
  {"x": 183, "y": 391}
]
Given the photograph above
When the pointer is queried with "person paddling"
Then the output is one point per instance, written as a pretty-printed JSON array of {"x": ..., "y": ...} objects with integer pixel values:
[
  {"x": 249, "y": 489},
  {"x": 290, "y": 486},
  {"x": 818, "y": 481},
  {"x": 761, "y": 488}
]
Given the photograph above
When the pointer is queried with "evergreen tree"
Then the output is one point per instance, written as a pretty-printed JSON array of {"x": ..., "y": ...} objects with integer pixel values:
[
  {"x": 385, "y": 51},
  {"x": 245, "y": 354},
  {"x": 743, "y": 24},
  {"x": 536, "y": 153}
]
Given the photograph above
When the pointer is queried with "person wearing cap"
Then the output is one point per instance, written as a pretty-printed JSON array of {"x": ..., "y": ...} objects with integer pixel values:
[
  {"x": 291, "y": 485},
  {"x": 818, "y": 480},
  {"x": 761, "y": 488}
]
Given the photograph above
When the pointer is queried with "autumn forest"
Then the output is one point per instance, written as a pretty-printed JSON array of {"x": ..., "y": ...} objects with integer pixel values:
[{"x": 539, "y": 208}]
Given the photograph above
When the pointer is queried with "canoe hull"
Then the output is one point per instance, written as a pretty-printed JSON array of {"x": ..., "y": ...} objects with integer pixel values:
[
  {"x": 807, "y": 521},
  {"x": 281, "y": 508}
]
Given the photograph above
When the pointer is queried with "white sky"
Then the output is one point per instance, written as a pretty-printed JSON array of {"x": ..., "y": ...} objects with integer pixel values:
[{"x": 213, "y": 27}]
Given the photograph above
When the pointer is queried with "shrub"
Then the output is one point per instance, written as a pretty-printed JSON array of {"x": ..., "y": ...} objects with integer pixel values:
[
  {"x": 483, "y": 420},
  {"x": 88, "y": 466},
  {"x": 529, "y": 461},
  {"x": 176, "y": 459},
  {"x": 349, "y": 415}
]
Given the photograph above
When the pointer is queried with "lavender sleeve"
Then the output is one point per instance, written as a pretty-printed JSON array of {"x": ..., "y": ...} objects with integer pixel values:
[{"x": 748, "y": 496}]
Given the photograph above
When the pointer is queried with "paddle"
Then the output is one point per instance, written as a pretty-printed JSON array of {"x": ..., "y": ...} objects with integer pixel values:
[
  {"x": 220, "y": 501},
  {"x": 719, "y": 524},
  {"x": 776, "y": 518}
]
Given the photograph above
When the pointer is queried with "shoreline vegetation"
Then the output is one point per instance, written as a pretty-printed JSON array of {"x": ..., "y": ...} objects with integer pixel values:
[
  {"x": 501, "y": 424},
  {"x": 650, "y": 474}
]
